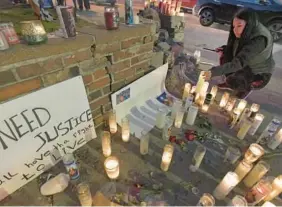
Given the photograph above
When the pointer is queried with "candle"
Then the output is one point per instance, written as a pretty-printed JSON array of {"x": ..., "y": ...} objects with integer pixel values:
[
  {"x": 276, "y": 188},
  {"x": 275, "y": 141},
  {"x": 192, "y": 114},
  {"x": 268, "y": 204},
  {"x": 214, "y": 92},
  {"x": 204, "y": 89},
  {"x": 229, "y": 181},
  {"x": 197, "y": 158},
  {"x": 167, "y": 156},
  {"x": 106, "y": 144},
  {"x": 33, "y": 32},
  {"x": 160, "y": 120},
  {"x": 256, "y": 123},
  {"x": 4, "y": 45},
  {"x": 260, "y": 169},
  {"x": 238, "y": 201},
  {"x": 167, "y": 128},
  {"x": 242, "y": 105},
  {"x": 111, "y": 15},
  {"x": 242, "y": 169},
  {"x": 224, "y": 100},
  {"x": 206, "y": 200},
  {"x": 230, "y": 104},
  {"x": 84, "y": 194},
  {"x": 232, "y": 155},
  {"x": 144, "y": 143},
  {"x": 200, "y": 82},
  {"x": 179, "y": 117},
  {"x": 175, "y": 107},
  {"x": 253, "y": 153},
  {"x": 244, "y": 115},
  {"x": 270, "y": 129},
  {"x": 197, "y": 56},
  {"x": 112, "y": 122},
  {"x": 186, "y": 91},
  {"x": 254, "y": 109},
  {"x": 235, "y": 117},
  {"x": 125, "y": 131},
  {"x": 193, "y": 90},
  {"x": 201, "y": 100},
  {"x": 258, "y": 192},
  {"x": 205, "y": 108},
  {"x": 189, "y": 101},
  {"x": 246, "y": 125},
  {"x": 111, "y": 165},
  {"x": 9, "y": 33},
  {"x": 71, "y": 166}
]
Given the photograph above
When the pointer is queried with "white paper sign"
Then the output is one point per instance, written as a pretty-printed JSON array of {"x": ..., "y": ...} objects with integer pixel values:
[{"x": 36, "y": 130}]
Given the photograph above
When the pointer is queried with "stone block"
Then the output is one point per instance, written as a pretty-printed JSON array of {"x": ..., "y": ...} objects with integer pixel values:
[
  {"x": 140, "y": 58},
  {"x": 6, "y": 77},
  {"x": 99, "y": 102},
  {"x": 100, "y": 73},
  {"x": 97, "y": 84},
  {"x": 19, "y": 89},
  {"x": 124, "y": 74},
  {"x": 103, "y": 49},
  {"x": 164, "y": 46},
  {"x": 157, "y": 59},
  {"x": 178, "y": 37},
  {"x": 131, "y": 42},
  {"x": 124, "y": 54},
  {"x": 56, "y": 77},
  {"x": 145, "y": 48},
  {"x": 142, "y": 66},
  {"x": 27, "y": 71},
  {"x": 148, "y": 39},
  {"x": 119, "y": 66},
  {"x": 77, "y": 57},
  {"x": 87, "y": 79},
  {"x": 94, "y": 95}
]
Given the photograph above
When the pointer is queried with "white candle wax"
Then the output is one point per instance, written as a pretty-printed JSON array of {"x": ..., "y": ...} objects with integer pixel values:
[
  {"x": 242, "y": 169},
  {"x": 160, "y": 121},
  {"x": 175, "y": 107},
  {"x": 189, "y": 101},
  {"x": 200, "y": 82},
  {"x": 230, "y": 104},
  {"x": 186, "y": 91},
  {"x": 224, "y": 100},
  {"x": 167, "y": 128},
  {"x": 167, "y": 157},
  {"x": 268, "y": 204},
  {"x": 275, "y": 141},
  {"x": 254, "y": 152},
  {"x": 106, "y": 144},
  {"x": 144, "y": 143},
  {"x": 214, "y": 92},
  {"x": 206, "y": 200},
  {"x": 112, "y": 122},
  {"x": 204, "y": 89},
  {"x": 197, "y": 158},
  {"x": 254, "y": 109},
  {"x": 232, "y": 155},
  {"x": 238, "y": 201},
  {"x": 257, "y": 122},
  {"x": 260, "y": 169},
  {"x": 276, "y": 188},
  {"x": 193, "y": 90},
  {"x": 84, "y": 194},
  {"x": 242, "y": 105},
  {"x": 179, "y": 117},
  {"x": 235, "y": 117},
  {"x": 246, "y": 125},
  {"x": 125, "y": 131},
  {"x": 243, "y": 116},
  {"x": 192, "y": 114},
  {"x": 229, "y": 181},
  {"x": 201, "y": 100},
  {"x": 111, "y": 165},
  {"x": 205, "y": 108}
]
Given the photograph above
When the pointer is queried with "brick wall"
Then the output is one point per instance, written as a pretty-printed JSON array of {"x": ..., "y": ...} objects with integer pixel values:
[{"x": 107, "y": 60}]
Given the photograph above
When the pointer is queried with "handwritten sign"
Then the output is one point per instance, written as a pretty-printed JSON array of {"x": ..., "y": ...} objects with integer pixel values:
[{"x": 36, "y": 130}]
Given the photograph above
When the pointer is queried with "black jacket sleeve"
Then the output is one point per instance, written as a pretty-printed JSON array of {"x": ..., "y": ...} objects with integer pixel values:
[{"x": 241, "y": 60}]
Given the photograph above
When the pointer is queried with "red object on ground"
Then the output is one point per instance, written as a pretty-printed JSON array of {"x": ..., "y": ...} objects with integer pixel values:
[
  {"x": 188, "y": 3},
  {"x": 190, "y": 135},
  {"x": 172, "y": 139}
]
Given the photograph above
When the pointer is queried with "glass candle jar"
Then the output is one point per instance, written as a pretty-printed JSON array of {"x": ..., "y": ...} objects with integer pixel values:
[
  {"x": 253, "y": 153},
  {"x": 256, "y": 123},
  {"x": 111, "y": 15},
  {"x": 144, "y": 143},
  {"x": 275, "y": 141},
  {"x": 268, "y": 204},
  {"x": 111, "y": 165},
  {"x": 71, "y": 166},
  {"x": 200, "y": 82},
  {"x": 186, "y": 91},
  {"x": 192, "y": 114},
  {"x": 206, "y": 200},
  {"x": 193, "y": 90},
  {"x": 175, "y": 107},
  {"x": 254, "y": 109},
  {"x": 9, "y": 33},
  {"x": 214, "y": 92},
  {"x": 246, "y": 125},
  {"x": 112, "y": 122},
  {"x": 197, "y": 56},
  {"x": 167, "y": 128},
  {"x": 276, "y": 188},
  {"x": 238, "y": 201},
  {"x": 229, "y": 181},
  {"x": 204, "y": 89},
  {"x": 84, "y": 194},
  {"x": 125, "y": 131},
  {"x": 232, "y": 155},
  {"x": 230, "y": 104},
  {"x": 242, "y": 169},
  {"x": 167, "y": 157},
  {"x": 33, "y": 32},
  {"x": 258, "y": 192},
  {"x": 205, "y": 108},
  {"x": 224, "y": 100},
  {"x": 197, "y": 158},
  {"x": 179, "y": 117},
  {"x": 235, "y": 116},
  {"x": 106, "y": 143},
  {"x": 160, "y": 120},
  {"x": 260, "y": 169},
  {"x": 242, "y": 105}
]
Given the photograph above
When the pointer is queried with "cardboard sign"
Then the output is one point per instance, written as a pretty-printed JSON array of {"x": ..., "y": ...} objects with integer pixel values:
[{"x": 36, "y": 130}]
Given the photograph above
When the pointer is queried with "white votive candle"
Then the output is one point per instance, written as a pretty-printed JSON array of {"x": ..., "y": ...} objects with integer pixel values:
[
  {"x": 189, "y": 101},
  {"x": 257, "y": 193},
  {"x": 167, "y": 128},
  {"x": 112, "y": 122},
  {"x": 144, "y": 143},
  {"x": 214, "y": 92},
  {"x": 186, "y": 91},
  {"x": 167, "y": 157},
  {"x": 205, "y": 108},
  {"x": 160, "y": 120},
  {"x": 246, "y": 125},
  {"x": 125, "y": 131},
  {"x": 260, "y": 169},
  {"x": 243, "y": 116},
  {"x": 111, "y": 165},
  {"x": 227, "y": 184},
  {"x": 206, "y": 200},
  {"x": 235, "y": 117},
  {"x": 106, "y": 143},
  {"x": 255, "y": 125},
  {"x": 175, "y": 107},
  {"x": 179, "y": 117},
  {"x": 275, "y": 141},
  {"x": 268, "y": 204},
  {"x": 276, "y": 188},
  {"x": 204, "y": 89},
  {"x": 84, "y": 194},
  {"x": 242, "y": 169},
  {"x": 197, "y": 158},
  {"x": 224, "y": 100},
  {"x": 238, "y": 201},
  {"x": 254, "y": 109},
  {"x": 232, "y": 155},
  {"x": 200, "y": 82},
  {"x": 254, "y": 152},
  {"x": 230, "y": 104},
  {"x": 192, "y": 114},
  {"x": 193, "y": 90},
  {"x": 242, "y": 105}
]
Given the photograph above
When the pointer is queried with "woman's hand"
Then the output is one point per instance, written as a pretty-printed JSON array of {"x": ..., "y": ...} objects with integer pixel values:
[{"x": 207, "y": 75}]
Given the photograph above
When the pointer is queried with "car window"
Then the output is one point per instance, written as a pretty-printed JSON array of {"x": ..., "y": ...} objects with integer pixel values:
[{"x": 278, "y": 2}]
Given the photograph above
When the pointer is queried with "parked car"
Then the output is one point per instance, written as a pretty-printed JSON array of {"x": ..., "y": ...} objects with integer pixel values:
[
  {"x": 188, "y": 4},
  {"x": 222, "y": 11}
]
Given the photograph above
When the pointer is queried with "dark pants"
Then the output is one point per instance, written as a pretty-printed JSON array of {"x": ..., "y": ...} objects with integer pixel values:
[
  {"x": 85, "y": 2},
  {"x": 243, "y": 81}
]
